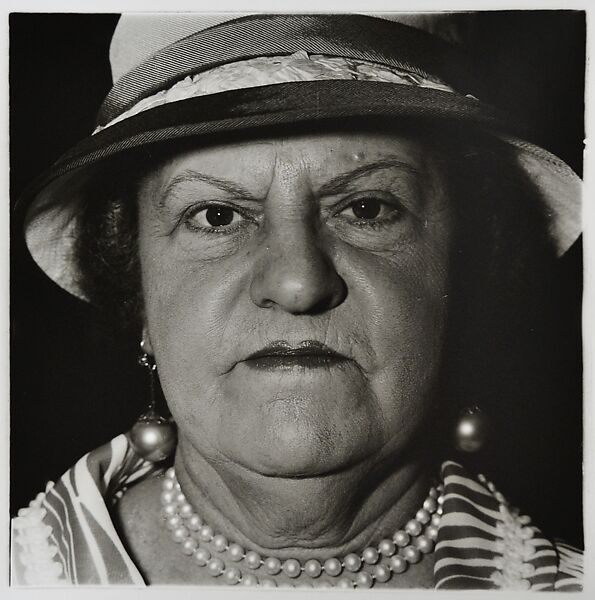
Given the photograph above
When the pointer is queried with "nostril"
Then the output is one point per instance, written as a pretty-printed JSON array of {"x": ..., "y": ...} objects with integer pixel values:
[
  {"x": 265, "y": 303},
  {"x": 336, "y": 297},
  {"x": 299, "y": 289},
  {"x": 299, "y": 278}
]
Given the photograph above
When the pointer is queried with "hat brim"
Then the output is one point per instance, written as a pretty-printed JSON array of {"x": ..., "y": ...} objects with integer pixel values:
[{"x": 49, "y": 206}]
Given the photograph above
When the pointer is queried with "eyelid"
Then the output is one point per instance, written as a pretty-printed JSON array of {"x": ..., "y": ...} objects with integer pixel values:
[
  {"x": 194, "y": 208},
  {"x": 384, "y": 196}
]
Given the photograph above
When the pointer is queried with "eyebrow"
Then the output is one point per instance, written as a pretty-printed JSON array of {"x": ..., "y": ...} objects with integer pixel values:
[
  {"x": 341, "y": 182},
  {"x": 335, "y": 186},
  {"x": 190, "y": 176}
]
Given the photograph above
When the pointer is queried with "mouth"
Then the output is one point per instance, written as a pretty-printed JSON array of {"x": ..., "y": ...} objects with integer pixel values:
[{"x": 280, "y": 355}]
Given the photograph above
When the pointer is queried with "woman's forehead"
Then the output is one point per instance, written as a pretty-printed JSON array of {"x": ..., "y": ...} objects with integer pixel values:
[{"x": 317, "y": 155}]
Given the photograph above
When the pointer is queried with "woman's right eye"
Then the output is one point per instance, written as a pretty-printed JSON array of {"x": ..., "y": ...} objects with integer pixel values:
[{"x": 213, "y": 218}]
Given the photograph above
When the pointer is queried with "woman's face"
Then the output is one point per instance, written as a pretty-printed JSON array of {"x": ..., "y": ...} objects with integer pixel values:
[{"x": 295, "y": 293}]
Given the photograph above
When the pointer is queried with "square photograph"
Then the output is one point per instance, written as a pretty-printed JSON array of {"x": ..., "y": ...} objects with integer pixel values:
[{"x": 296, "y": 299}]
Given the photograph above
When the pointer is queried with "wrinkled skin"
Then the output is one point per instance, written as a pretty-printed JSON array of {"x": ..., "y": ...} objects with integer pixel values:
[{"x": 253, "y": 242}]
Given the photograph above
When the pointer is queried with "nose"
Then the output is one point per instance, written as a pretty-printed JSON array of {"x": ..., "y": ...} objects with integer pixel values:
[{"x": 294, "y": 273}]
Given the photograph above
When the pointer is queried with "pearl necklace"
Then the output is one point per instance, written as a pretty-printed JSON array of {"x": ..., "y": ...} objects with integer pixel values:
[{"x": 376, "y": 564}]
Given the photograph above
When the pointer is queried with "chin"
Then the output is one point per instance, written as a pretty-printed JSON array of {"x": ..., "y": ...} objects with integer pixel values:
[{"x": 299, "y": 449}]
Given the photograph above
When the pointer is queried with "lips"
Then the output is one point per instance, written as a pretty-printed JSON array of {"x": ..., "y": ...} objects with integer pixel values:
[{"x": 280, "y": 355}]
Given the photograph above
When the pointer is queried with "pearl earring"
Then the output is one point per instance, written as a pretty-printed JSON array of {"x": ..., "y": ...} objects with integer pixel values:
[
  {"x": 471, "y": 430},
  {"x": 153, "y": 437}
]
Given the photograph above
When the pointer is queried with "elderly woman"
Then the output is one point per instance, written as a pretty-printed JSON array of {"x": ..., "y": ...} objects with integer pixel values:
[{"x": 298, "y": 214}]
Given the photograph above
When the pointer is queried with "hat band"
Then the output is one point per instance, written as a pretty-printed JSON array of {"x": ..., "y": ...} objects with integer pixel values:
[
  {"x": 269, "y": 70},
  {"x": 349, "y": 36}
]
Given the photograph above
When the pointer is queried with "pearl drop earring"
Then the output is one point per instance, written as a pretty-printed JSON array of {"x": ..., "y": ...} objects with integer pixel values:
[
  {"x": 471, "y": 429},
  {"x": 153, "y": 437}
]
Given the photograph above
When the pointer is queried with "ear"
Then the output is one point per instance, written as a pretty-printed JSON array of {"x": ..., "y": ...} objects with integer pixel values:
[{"x": 145, "y": 343}]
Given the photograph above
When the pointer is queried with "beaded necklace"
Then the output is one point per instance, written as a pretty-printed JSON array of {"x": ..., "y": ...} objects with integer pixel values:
[{"x": 375, "y": 564}]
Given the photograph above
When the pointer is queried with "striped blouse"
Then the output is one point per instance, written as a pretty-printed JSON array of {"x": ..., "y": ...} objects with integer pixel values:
[{"x": 66, "y": 535}]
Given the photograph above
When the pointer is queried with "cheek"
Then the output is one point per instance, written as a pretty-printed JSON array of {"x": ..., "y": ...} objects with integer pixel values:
[
  {"x": 403, "y": 301},
  {"x": 188, "y": 307},
  {"x": 408, "y": 306}
]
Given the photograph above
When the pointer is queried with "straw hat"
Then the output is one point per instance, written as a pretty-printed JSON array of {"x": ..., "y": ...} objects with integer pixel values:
[{"x": 190, "y": 75}]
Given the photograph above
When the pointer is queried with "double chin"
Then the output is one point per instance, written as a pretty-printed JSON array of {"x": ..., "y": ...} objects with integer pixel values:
[{"x": 309, "y": 516}]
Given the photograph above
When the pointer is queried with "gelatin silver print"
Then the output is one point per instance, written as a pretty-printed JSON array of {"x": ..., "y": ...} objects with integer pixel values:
[{"x": 296, "y": 300}]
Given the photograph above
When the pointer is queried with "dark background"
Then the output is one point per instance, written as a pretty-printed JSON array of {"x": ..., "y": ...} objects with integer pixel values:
[{"x": 75, "y": 385}]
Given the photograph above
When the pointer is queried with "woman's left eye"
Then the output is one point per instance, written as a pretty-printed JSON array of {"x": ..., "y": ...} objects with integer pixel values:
[
  {"x": 215, "y": 217},
  {"x": 371, "y": 209}
]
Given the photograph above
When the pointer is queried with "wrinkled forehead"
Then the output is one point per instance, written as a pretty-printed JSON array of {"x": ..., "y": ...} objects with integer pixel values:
[{"x": 319, "y": 156}]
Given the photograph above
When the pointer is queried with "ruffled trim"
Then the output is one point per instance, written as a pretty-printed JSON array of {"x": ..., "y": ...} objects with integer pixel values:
[
  {"x": 38, "y": 553},
  {"x": 515, "y": 544},
  {"x": 484, "y": 543},
  {"x": 67, "y": 535},
  {"x": 268, "y": 70}
]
